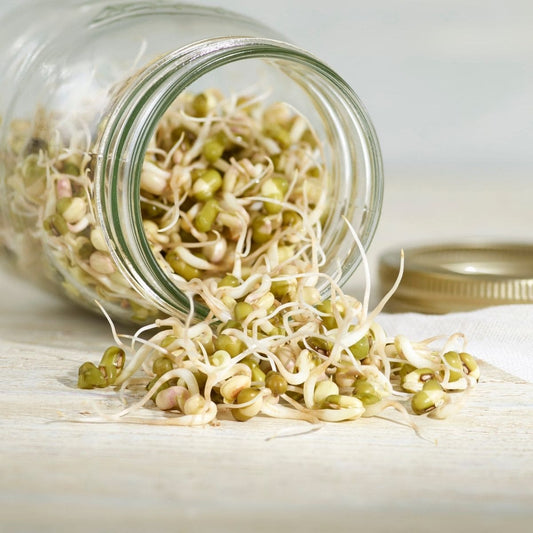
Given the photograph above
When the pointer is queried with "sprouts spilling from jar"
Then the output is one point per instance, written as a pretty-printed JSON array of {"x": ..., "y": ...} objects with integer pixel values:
[
  {"x": 233, "y": 197},
  {"x": 296, "y": 358}
]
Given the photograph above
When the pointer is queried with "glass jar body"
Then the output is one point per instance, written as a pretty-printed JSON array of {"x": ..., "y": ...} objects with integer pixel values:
[{"x": 80, "y": 105}]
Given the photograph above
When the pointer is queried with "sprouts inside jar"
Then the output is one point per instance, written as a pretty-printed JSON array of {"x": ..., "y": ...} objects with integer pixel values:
[{"x": 233, "y": 192}]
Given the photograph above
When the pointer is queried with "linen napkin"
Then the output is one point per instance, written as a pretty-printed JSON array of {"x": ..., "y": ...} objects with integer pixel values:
[{"x": 501, "y": 336}]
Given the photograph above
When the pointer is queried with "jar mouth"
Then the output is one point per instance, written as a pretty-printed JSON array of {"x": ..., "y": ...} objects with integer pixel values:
[{"x": 140, "y": 105}]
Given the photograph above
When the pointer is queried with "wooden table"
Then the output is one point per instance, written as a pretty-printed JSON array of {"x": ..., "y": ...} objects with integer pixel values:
[{"x": 474, "y": 473}]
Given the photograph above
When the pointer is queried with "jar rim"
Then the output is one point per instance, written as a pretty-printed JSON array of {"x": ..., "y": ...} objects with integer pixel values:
[{"x": 133, "y": 117}]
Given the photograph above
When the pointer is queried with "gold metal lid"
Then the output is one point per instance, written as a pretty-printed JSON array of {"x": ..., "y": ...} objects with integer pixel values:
[{"x": 459, "y": 277}]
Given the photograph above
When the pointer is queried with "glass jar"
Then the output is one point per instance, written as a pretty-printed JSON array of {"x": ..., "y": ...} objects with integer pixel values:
[{"x": 85, "y": 84}]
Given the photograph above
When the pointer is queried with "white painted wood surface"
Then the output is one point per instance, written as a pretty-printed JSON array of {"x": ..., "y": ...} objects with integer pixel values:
[{"x": 369, "y": 475}]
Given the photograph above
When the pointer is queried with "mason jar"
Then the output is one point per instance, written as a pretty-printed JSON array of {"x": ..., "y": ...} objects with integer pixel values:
[{"x": 83, "y": 88}]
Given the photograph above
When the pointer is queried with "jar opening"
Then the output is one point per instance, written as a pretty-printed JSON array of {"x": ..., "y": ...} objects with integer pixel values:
[{"x": 351, "y": 151}]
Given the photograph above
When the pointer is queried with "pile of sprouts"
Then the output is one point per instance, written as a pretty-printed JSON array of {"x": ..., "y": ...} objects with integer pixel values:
[{"x": 234, "y": 195}]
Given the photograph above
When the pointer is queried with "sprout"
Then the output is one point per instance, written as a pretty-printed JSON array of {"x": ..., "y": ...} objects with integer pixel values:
[
  {"x": 172, "y": 398},
  {"x": 250, "y": 403},
  {"x": 323, "y": 390},
  {"x": 431, "y": 397},
  {"x": 231, "y": 388}
]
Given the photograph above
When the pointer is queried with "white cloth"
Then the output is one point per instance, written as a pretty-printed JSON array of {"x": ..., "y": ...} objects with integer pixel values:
[{"x": 502, "y": 335}]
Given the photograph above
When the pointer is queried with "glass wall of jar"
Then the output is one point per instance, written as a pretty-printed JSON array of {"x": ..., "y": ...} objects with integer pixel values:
[{"x": 112, "y": 110}]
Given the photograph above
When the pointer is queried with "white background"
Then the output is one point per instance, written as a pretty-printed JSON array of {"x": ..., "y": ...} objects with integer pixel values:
[{"x": 448, "y": 84}]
